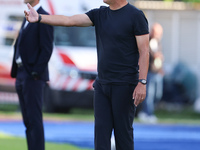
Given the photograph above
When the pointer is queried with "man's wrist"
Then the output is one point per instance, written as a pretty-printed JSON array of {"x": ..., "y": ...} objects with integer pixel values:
[
  {"x": 39, "y": 18},
  {"x": 143, "y": 81}
]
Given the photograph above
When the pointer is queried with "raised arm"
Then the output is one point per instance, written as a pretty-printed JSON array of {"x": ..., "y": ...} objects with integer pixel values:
[
  {"x": 81, "y": 20},
  {"x": 143, "y": 46}
]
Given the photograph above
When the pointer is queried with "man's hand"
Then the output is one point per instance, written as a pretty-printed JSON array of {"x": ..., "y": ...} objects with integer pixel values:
[
  {"x": 139, "y": 94},
  {"x": 31, "y": 15},
  {"x": 35, "y": 75}
]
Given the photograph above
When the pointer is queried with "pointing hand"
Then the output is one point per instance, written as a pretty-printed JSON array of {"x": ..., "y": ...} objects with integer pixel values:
[{"x": 31, "y": 15}]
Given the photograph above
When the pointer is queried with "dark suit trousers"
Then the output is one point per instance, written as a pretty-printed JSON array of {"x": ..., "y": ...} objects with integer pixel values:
[
  {"x": 30, "y": 94},
  {"x": 113, "y": 109}
]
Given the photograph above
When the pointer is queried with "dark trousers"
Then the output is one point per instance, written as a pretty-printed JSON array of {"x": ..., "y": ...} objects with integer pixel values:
[
  {"x": 114, "y": 109},
  {"x": 30, "y": 94}
]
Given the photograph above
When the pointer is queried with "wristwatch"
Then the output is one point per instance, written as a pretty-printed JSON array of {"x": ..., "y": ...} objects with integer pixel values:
[
  {"x": 143, "y": 81},
  {"x": 39, "y": 18}
]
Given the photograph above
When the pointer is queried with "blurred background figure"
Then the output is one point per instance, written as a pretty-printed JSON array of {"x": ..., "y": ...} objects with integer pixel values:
[{"x": 155, "y": 75}]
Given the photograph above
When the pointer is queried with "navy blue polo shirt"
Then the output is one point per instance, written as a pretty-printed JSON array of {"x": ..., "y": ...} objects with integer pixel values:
[{"x": 117, "y": 49}]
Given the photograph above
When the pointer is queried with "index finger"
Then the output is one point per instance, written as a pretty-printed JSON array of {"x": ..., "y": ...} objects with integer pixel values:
[
  {"x": 136, "y": 102},
  {"x": 29, "y": 6}
]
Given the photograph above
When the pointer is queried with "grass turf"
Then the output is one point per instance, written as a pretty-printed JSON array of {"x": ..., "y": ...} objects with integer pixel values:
[
  {"x": 184, "y": 114},
  {"x": 9, "y": 143}
]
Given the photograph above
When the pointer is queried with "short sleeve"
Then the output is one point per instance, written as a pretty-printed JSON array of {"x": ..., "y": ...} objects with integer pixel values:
[
  {"x": 140, "y": 24},
  {"x": 91, "y": 15}
]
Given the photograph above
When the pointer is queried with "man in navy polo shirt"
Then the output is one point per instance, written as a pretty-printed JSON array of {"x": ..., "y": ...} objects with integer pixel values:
[{"x": 122, "y": 38}]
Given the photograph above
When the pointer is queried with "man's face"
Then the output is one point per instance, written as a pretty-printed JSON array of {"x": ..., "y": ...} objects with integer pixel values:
[
  {"x": 28, "y": 1},
  {"x": 107, "y": 1},
  {"x": 31, "y": 2}
]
